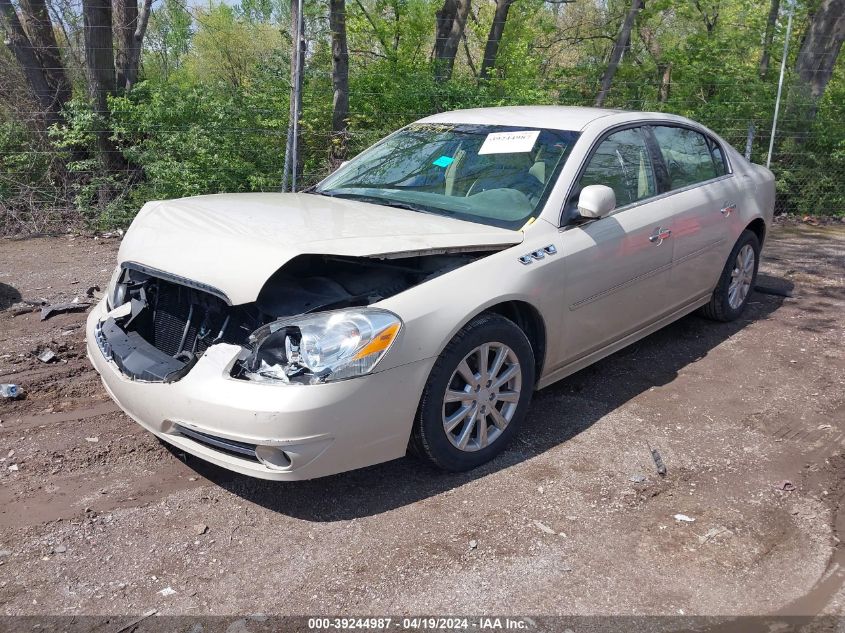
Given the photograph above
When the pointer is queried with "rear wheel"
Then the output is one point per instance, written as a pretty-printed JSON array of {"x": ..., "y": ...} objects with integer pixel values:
[
  {"x": 476, "y": 396},
  {"x": 737, "y": 280}
]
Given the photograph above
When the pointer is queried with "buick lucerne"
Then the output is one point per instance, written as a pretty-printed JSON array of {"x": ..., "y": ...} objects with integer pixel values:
[{"x": 416, "y": 297}]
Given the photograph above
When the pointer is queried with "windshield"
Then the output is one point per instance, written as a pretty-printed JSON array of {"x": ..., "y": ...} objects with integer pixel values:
[{"x": 492, "y": 174}]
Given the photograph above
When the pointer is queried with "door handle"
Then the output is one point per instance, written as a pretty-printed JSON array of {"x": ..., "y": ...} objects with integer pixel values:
[
  {"x": 659, "y": 235},
  {"x": 728, "y": 208}
]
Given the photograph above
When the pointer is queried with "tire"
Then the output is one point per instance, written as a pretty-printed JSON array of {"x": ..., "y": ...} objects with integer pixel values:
[
  {"x": 430, "y": 439},
  {"x": 724, "y": 305}
]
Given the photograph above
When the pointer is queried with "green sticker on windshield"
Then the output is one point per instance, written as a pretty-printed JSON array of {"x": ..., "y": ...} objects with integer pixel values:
[{"x": 443, "y": 161}]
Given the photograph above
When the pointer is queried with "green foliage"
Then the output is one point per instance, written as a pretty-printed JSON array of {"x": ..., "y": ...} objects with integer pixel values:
[
  {"x": 211, "y": 111},
  {"x": 200, "y": 139}
]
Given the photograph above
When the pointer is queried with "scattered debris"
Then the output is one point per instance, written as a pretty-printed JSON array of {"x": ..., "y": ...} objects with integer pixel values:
[
  {"x": 769, "y": 290},
  {"x": 683, "y": 518},
  {"x": 60, "y": 549},
  {"x": 711, "y": 533},
  {"x": 94, "y": 292},
  {"x": 25, "y": 306},
  {"x": 47, "y": 355},
  {"x": 200, "y": 529},
  {"x": 93, "y": 440},
  {"x": 167, "y": 591},
  {"x": 56, "y": 308},
  {"x": 544, "y": 528},
  {"x": 9, "y": 390},
  {"x": 637, "y": 479},
  {"x": 134, "y": 623},
  {"x": 658, "y": 461},
  {"x": 823, "y": 427},
  {"x": 785, "y": 485},
  {"x": 14, "y": 468},
  {"x": 473, "y": 544}
]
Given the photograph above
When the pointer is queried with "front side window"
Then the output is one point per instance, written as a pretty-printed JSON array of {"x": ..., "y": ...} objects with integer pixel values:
[
  {"x": 492, "y": 174},
  {"x": 622, "y": 162},
  {"x": 690, "y": 158}
]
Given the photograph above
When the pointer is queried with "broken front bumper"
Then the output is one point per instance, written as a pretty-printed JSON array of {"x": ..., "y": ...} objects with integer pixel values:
[{"x": 281, "y": 432}]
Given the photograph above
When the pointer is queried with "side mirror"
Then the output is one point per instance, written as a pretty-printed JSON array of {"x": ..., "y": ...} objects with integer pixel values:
[{"x": 596, "y": 201}]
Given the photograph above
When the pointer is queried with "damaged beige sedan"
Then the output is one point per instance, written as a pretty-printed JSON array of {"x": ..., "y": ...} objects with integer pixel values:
[{"x": 418, "y": 296}]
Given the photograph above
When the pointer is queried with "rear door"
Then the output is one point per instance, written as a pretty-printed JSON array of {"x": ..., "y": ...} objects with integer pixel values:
[
  {"x": 702, "y": 195},
  {"x": 617, "y": 268}
]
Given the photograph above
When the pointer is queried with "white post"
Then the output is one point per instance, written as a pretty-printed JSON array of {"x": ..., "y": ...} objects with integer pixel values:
[{"x": 780, "y": 89}]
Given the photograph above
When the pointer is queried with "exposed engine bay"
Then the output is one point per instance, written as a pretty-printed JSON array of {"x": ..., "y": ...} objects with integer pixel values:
[{"x": 165, "y": 323}]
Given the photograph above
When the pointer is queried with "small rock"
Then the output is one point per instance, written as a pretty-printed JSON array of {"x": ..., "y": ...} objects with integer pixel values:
[
  {"x": 637, "y": 479},
  {"x": 5, "y": 553},
  {"x": 60, "y": 549},
  {"x": 167, "y": 591},
  {"x": 683, "y": 518},
  {"x": 200, "y": 529},
  {"x": 47, "y": 355},
  {"x": 473, "y": 544},
  {"x": 192, "y": 478},
  {"x": 785, "y": 485},
  {"x": 93, "y": 440},
  {"x": 14, "y": 468}
]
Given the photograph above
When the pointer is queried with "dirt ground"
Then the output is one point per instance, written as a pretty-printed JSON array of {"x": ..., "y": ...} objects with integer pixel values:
[{"x": 97, "y": 517}]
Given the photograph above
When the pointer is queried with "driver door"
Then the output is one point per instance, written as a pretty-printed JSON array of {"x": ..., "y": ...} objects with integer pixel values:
[{"x": 617, "y": 268}]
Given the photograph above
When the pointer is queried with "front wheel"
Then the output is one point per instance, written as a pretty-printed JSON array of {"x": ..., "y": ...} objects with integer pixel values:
[
  {"x": 476, "y": 396},
  {"x": 737, "y": 280}
]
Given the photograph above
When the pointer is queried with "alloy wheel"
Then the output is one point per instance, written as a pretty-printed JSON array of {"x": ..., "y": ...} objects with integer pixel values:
[
  {"x": 741, "y": 277},
  {"x": 482, "y": 396}
]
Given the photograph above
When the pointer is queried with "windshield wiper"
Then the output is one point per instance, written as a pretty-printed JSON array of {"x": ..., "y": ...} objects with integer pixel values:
[{"x": 387, "y": 202}]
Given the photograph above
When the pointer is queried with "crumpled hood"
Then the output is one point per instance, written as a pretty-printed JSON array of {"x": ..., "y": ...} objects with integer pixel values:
[{"x": 234, "y": 242}]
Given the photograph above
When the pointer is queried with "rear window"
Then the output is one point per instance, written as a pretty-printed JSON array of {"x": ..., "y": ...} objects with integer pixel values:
[{"x": 690, "y": 156}]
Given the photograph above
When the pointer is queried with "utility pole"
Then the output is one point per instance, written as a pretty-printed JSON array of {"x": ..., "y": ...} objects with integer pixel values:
[
  {"x": 780, "y": 87},
  {"x": 296, "y": 65}
]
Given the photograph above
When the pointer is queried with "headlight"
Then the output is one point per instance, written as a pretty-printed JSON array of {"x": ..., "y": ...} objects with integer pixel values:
[{"x": 322, "y": 347}]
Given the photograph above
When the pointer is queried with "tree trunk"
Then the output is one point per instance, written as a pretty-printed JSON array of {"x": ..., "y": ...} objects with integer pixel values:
[
  {"x": 665, "y": 71},
  {"x": 125, "y": 21},
  {"x": 451, "y": 20},
  {"x": 817, "y": 56},
  {"x": 491, "y": 50},
  {"x": 771, "y": 22},
  {"x": 37, "y": 77},
  {"x": 39, "y": 26},
  {"x": 340, "y": 80},
  {"x": 99, "y": 58},
  {"x": 130, "y": 25},
  {"x": 623, "y": 41}
]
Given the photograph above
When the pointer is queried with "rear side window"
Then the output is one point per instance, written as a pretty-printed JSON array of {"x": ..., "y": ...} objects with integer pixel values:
[
  {"x": 622, "y": 162},
  {"x": 718, "y": 157},
  {"x": 689, "y": 155}
]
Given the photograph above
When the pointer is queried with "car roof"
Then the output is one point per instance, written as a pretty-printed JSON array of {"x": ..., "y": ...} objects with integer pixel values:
[{"x": 553, "y": 117}]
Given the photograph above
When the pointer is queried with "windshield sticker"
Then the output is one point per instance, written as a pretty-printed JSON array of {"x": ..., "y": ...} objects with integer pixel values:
[
  {"x": 443, "y": 161},
  {"x": 509, "y": 142}
]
